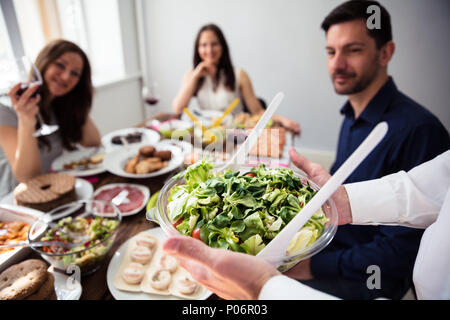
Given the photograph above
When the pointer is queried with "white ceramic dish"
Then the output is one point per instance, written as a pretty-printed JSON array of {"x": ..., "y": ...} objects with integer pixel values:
[
  {"x": 66, "y": 286},
  {"x": 186, "y": 147},
  {"x": 149, "y": 136},
  {"x": 10, "y": 212},
  {"x": 143, "y": 189},
  {"x": 77, "y": 155},
  {"x": 83, "y": 190},
  {"x": 115, "y": 161},
  {"x": 114, "y": 266}
]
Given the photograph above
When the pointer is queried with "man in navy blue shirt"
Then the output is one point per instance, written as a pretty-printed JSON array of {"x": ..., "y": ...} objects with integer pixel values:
[{"x": 358, "y": 57}]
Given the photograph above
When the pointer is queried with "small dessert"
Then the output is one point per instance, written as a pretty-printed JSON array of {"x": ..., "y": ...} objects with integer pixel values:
[
  {"x": 141, "y": 254},
  {"x": 133, "y": 273},
  {"x": 168, "y": 263},
  {"x": 146, "y": 240},
  {"x": 186, "y": 286},
  {"x": 160, "y": 280},
  {"x": 98, "y": 158}
]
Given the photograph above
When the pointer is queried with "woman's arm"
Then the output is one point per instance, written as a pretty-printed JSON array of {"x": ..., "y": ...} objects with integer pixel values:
[
  {"x": 254, "y": 106},
  {"x": 90, "y": 134},
  {"x": 20, "y": 147},
  {"x": 185, "y": 94},
  {"x": 189, "y": 85},
  {"x": 250, "y": 99}
]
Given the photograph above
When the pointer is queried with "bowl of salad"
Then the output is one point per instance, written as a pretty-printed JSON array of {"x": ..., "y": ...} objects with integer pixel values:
[
  {"x": 243, "y": 208},
  {"x": 78, "y": 234}
]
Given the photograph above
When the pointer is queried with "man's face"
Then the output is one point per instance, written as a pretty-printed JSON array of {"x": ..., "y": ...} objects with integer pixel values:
[{"x": 352, "y": 57}]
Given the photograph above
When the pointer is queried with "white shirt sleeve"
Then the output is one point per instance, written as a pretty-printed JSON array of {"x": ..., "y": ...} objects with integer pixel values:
[
  {"x": 419, "y": 198},
  {"x": 284, "y": 288},
  {"x": 411, "y": 199}
]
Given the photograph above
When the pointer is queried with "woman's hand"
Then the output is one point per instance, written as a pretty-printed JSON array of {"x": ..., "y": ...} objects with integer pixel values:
[
  {"x": 289, "y": 124},
  {"x": 203, "y": 69},
  {"x": 26, "y": 106}
]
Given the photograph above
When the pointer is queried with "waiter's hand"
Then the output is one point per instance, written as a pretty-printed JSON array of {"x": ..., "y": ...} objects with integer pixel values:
[
  {"x": 320, "y": 176},
  {"x": 228, "y": 274}
]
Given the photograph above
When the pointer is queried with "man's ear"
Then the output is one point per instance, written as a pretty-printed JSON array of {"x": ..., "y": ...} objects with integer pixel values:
[{"x": 386, "y": 53}]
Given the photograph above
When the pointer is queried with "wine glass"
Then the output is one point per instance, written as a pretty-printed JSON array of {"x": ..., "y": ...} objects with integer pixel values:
[
  {"x": 23, "y": 70},
  {"x": 150, "y": 93}
]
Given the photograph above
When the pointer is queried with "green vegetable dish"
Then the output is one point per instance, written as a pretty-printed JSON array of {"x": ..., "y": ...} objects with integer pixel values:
[
  {"x": 242, "y": 212},
  {"x": 98, "y": 230}
]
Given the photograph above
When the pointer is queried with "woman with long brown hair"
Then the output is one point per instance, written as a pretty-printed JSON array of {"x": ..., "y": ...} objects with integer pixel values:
[
  {"x": 216, "y": 83},
  {"x": 65, "y": 99}
]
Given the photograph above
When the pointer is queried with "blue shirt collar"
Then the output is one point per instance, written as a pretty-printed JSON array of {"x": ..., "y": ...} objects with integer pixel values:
[{"x": 377, "y": 106}]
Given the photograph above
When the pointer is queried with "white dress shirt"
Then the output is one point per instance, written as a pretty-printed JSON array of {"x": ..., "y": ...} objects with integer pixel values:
[{"x": 418, "y": 199}]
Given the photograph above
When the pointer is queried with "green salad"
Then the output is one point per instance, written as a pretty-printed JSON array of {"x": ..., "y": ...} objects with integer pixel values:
[
  {"x": 242, "y": 212},
  {"x": 96, "y": 228}
]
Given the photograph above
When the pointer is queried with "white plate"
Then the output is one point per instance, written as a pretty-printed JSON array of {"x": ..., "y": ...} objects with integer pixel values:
[
  {"x": 77, "y": 155},
  {"x": 142, "y": 188},
  {"x": 149, "y": 136},
  {"x": 66, "y": 286},
  {"x": 11, "y": 212},
  {"x": 83, "y": 191},
  {"x": 115, "y": 161},
  {"x": 186, "y": 147},
  {"x": 114, "y": 266}
]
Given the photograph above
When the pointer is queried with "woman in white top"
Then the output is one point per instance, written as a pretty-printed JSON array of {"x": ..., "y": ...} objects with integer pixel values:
[
  {"x": 419, "y": 198},
  {"x": 215, "y": 82}
]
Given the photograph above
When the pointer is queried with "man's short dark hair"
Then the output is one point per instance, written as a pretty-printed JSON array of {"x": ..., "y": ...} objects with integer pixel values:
[{"x": 357, "y": 9}]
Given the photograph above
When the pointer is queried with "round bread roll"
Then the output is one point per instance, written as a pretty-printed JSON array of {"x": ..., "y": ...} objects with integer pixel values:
[
  {"x": 146, "y": 151},
  {"x": 164, "y": 155}
]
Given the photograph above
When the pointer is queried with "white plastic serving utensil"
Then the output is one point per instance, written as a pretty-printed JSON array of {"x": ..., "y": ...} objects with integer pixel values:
[
  {"x": 244, "y": 149},
  {"x": 281, "y": 241},
  {"x": 120, "y": 198}
]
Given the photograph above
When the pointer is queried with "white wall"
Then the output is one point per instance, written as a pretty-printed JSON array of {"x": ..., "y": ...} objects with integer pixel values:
[
  {"x": 118, "y": 105},
  {"x": 281, "y": 46}
]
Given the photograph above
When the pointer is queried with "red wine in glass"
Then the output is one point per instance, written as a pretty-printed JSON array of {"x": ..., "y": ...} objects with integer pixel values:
[
  {"x": 25, "y": 86},
  {"x": 152, "y": 100}
]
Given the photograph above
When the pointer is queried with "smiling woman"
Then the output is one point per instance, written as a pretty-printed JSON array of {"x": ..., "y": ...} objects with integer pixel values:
[{"x": 64, "y": 99}]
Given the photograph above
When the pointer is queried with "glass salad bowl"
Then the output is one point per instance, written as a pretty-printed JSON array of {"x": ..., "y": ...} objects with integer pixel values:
[
  {"x": 247, "y": 222},
  {"x": 78, "y": 234}
]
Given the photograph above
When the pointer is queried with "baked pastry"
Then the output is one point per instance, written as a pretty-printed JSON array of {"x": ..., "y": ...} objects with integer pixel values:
[
  {"x": 46, "y": 192},
  {"x": 46, "y": 291},
  {"x": 22, "y": 280},
  {"x": 147, "y": 151},
  {"x": 164, "y": 155}
]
